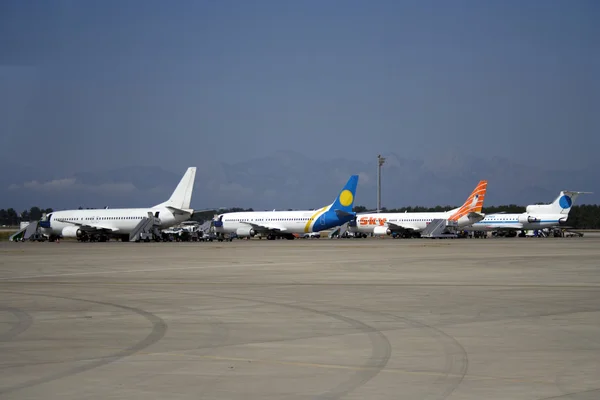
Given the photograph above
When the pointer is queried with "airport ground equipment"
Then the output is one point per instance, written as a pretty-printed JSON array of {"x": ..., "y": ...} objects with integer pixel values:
[
  {"x": 339, "y": 231},
  {"x": 27, "y": 232},
  {"x": 147, "y": 229},
  {"x": 440, "y": 228},
  {"x": 205, "y": 227},
  {"x": 191, "y": 231},
  {"x": 344, "y": 232}
]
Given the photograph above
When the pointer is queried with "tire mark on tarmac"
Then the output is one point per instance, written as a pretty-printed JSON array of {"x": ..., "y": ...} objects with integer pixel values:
[
  {"x": 457, "y": 360},
  {"x": 12, "y": 281},
  {"x": 381, "y": 348},
  {"x": 591, "y": 394},
  {"x": 23, "y": 323},
  {"x": 159, "y": 329}
]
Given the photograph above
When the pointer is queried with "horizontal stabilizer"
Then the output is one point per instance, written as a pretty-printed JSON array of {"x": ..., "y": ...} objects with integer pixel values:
[
  {"x": 180, "y": 211},
  {"x": 475, "y": 215},
  {"x": 342, "y": 213}
]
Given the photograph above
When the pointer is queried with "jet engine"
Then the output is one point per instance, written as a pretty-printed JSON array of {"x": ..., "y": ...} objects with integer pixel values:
[
  {"x": 246, "y": 231},
  {"x": 382, "y": 230},
  {"x": 71, "y": 232},
  {"x": 527, "y": 219}
]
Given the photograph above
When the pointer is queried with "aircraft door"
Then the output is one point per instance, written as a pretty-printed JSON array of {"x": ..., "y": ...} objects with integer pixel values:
[{"x": 322, "y": 220}]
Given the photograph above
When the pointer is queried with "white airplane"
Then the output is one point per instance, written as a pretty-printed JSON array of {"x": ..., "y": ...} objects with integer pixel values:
[
  {"x": 411, "y": 224},
  {"x": 120, "y": 222},
  {"x": 538, "y": 216},
  {"x": 285, "y": 224}
]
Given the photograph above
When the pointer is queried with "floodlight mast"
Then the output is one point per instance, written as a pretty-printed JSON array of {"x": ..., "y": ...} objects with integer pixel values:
[{"x": 380, "y": 162}]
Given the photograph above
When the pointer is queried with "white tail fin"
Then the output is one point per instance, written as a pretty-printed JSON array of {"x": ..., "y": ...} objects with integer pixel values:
[
  {"x": 182, "y": 196},
  {"x": 561, "y": 205}
]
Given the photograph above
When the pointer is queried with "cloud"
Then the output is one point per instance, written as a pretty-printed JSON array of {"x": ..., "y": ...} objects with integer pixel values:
[
  {"x": 364, "y": 178},
  {"x": 271, "y": 193},
  {"x": 71, "y": 184},
  {"x": 234, "y": 189}
]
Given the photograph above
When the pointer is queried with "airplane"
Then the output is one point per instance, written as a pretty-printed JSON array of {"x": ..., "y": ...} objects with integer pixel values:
[
  {"x": 536, "y": 216},
  {"x": 285, "y": 224},
  {"x": 104, "y": 223},
  {"x": 411, "y": 224}
]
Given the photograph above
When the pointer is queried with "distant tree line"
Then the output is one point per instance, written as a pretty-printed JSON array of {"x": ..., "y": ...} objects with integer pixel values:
[
  {"x": 11, "y": 217},
  {"x": 206, "y": 215},
  {"x": 581, "y": 216}
]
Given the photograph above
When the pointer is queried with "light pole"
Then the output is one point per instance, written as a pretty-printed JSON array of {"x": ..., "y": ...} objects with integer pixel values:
[{"x": 380, "y": 161}]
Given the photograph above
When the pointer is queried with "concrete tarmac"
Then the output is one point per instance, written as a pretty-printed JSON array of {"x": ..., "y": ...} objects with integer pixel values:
[{"x": 304, "y": 319}]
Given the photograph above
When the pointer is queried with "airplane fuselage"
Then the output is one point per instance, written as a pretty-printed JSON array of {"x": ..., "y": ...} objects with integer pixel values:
[
  {"x": 288, "y": 222},
  {"x": 377, "y": 223},
  {"x": 121, "y": 220},
  {"x": 523, "y": 221}
]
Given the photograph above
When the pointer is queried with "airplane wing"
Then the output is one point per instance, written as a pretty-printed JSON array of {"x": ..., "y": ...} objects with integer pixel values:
[
  {"x": 507, "y": 227},
  {"x": 265, "y": 228},
  {"x": 399, "y": 228},
  {"x": 93, "y": 227}
]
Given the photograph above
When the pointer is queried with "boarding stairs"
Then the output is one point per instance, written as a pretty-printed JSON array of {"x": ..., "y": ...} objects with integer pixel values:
[
  {"x": 440, "y": 228},
  {"x": 338, "y": 231},
  {"x": 30, "y": 232},
  {"x": 205, "y": 227},
  {"x": 148, "y": 228}
]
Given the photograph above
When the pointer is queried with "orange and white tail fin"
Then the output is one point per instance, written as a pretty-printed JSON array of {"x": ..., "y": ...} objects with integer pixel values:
[{"x": 474, "y": 202}]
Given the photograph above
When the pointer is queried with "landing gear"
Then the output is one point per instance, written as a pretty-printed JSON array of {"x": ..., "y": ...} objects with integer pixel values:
[
  {"x": 288, "y": 236},
  {"x": 93, "y": 237}
]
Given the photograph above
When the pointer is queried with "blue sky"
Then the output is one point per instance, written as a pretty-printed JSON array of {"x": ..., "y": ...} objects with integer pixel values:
[{"x": 87, "y": 84}]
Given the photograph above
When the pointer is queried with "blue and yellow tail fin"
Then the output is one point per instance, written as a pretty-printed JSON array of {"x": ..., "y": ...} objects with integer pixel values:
[
  {"x": 345, "y": 200},
  {"x": 338, "y": 212}
]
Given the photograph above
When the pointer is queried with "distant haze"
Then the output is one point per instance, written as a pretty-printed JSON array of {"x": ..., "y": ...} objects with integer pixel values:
[
  {"x": 291, "y": 180},
  {"x": 107, "y": 103}
]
